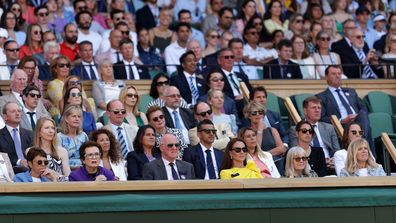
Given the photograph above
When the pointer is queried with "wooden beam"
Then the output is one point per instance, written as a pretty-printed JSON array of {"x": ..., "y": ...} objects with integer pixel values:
[
  {"x": 389, "y": 145},
  {"x": 292, "y": 110},
  {"x": 337, "y": 125}
]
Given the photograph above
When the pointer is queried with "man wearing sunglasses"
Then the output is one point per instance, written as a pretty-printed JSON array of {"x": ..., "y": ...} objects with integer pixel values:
[
  {"x": 11, "y": 51},
  {"x": 31, "y": 112},
  {"x": 168, "y": 167},
  {"x": 223, "y": 134},
  {"x": 205, "y": 158}
]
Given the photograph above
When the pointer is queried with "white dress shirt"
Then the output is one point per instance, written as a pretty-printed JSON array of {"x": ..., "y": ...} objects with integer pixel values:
[
  {"x": 216, "y": 169},
  {"x": 115, "y": 132},
  {"x": 87, "y": 66},
  {"x": 134, "y": 69},
  {"x": 183, "y": 129},
  {"x": 168, "y": 169},
  {"x": 324, "y": 147},
  {"x": 235, "y": 78}
]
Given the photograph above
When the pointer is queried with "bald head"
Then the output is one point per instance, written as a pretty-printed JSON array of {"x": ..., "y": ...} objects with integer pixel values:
[
  {"x": 18, "y": 80},
  {"x": 194, "y": 46},
  {"x": 172, "y": 97}
]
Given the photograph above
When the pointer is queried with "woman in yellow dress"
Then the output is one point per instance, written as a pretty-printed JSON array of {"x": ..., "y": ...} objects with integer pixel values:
[{"x": 235, "y": 165}]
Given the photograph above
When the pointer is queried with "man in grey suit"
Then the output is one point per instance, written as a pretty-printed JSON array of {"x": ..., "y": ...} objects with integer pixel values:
[
  {"x": 31, "y": 112},
  {"x": 325, "y": 135},
  {"x": 168, "y": 167}
]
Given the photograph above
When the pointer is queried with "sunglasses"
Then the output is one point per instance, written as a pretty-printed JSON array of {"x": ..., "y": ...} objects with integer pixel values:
[
  {"x": 41, "y": 162},
  {"x": 208, "y": 131},
  {"x": 13, "y": 50},
  {"x": 299, "y": 159},
  {"x": 83, "y": 8},
  {"x": 171, "y": 145},
  {"x": 217, "y": 79},
  {"x": 360, "y": 37},
  {"x": 229, "y": 57},
  {"x": 43, "y": 14},
  {"x": 125, "y": 32},
  {"x": 92, "y": 155},
  {"x": 215, "y": 36},
  {"x": 132, "y": 95},
  {"x": 156, "y": 119},
  {"x": 253, "y": 33},
  {"x": 74, "y": 82},
  {"x": 62, "y": 65},
  {"x": 33, "y": 95},
  {"x": 305, "y": 131},
  {"x": 162, "y": 83},
  {"x": 203, "y": 114},
  {"x": 299, "y": 21},
  {"x": 16, "y": 9},
  {"x": 118, "y": 19},
  {"x": 116, "y": 112},
  {"x": 324, "y": 38},
  {"x": 37, "y": 32},
  {"x": 238, "y": 150},
  {"x": 75, "y": 94},
  {"x": 355, "y": 132},
  {"x": 257, "y": 113}
]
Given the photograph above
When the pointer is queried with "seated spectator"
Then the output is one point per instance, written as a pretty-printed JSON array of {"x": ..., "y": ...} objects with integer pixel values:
[
  {"x": 360, "y": 161},
  {"x": 263, "y": 160},
  {"x": 235, "y": 165},
  {"x": 145, "y": 152},
  {"x": 21, "y": 22},
  {"x": 69, "y": 46},
  {"x": 33, "y": 44},
  {"x": 216, "y": 100},
  {"x": 174, "y": 51},
  {"x": 323, "y": 57},
  {"x": 362, "y": 15},
  {"x": 90, "y": 153},
  {"x": 273, "y": 18},
  {"x": 265, "y": 39},
  {"x": 74, "y": 81},
  {"x": 252, "y": 52},
  {"x": 297, "y": 164},
  {"x": 328, "y": 26},
  {"x": 390, "y": 54},
  {"x": 212, "y": 38},
  {"x": 107, "y": 88},
  {"x": 38, "y": 170},
  {"x": 71, "y": 135},
  {"x": 236, "y": 45},
  {"x": 296, "y": 26},
  {"x": 311, "y": 39},
  {"x": 148, "y": 54},
  {"x": 29, "y": 65},
  {"x": 9, "y": 22},
  {"x": 301, "y": 57},
  {"x": 11, "y": 51},
  {"x": 313, "y": 14},
  {"x": 352, "y": 132},
  {"x": 246, "y": 12},
  {"x": 85, "y": 33},
  {"x": 131, "y": 100},
  {"x": 161, "y": 36},
  {"x": 86, "y": 69},
  {"x": 44, "y": 60},
  {"x": 111, "y": 154},
  {"x": 168, "y": 167},
  {"x": 6, "y": 172},
  {"x": 185, "y": 15}
]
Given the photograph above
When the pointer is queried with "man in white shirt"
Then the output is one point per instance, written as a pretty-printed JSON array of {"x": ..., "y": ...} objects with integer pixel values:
[
  {"x": 236, "y": 45},
  {"x": 185, "y": 16},
  {"x": 11, "y": 51},
  {"x": 84, "y": 21},
  {"x": 173, "y": 52}
]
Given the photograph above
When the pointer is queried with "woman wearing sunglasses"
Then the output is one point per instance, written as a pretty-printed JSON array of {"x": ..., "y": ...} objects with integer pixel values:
[
  {"x": 129, "y": 96},
  {"x": 305, "y": 135},
  {"x": 33, "y": 43},
  {"x": 360, "y": 161},
  {"x": 145, "y": 151},
  {"x": 351, "y": 132},
  {"x": 297, "y": 164},
  {"x": 38, "y": 170},
  {"x": 235, "y": 165},
  {"x": 75, "y": 81}
]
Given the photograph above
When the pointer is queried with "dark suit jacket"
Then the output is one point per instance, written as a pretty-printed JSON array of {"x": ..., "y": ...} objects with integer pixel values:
[
  {"x": 292, "y": 71},
  {"x": 144, "y": 18},
  {"x": 348, "y": 57},
  {"x": 330, "y": 107},
  {"x": 155, "y": 170},
  {"x": 135, "y": 163},
  {"x": 80, "y": 71},
  {"x": 195, "y": 156},
  {"x": 45, "y": 72},
  {"x": 183, "y": 85},
  {"x": 120, "y": 71},
  {"x": 227, "y": 85},
  {"x": 7, "y": 143},
  {"x": 186, "y": 115}
]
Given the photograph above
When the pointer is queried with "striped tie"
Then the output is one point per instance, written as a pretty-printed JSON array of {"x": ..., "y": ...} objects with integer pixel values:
[
  {"x": 368, "y": 73},
  {"x": 194, "y": 91},
  {"x": 121, "y": 140}
]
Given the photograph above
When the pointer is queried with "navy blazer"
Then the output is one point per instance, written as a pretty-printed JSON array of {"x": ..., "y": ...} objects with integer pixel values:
[
  {"x": 120, "y": 71},
  {"x": 180, "y": 81},
  {"x": 81, "y": 72},
  {"x": 186, "y": 115},
  {"x": 7, "y": 143},
  {"x": 227, "y": 85},
  {"x": 45, "y": 72},
  {"x": 195, "y": 156},
  {"x": 292, "y": 70},
  {"x": 145, "y": 18},
  {"x": 135, "y": 162}
]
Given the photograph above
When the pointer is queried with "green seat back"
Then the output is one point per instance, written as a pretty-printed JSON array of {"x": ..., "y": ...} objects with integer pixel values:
[
  {"x": 273, "y": 102},
  {"x": 379, "y": 102},
  {"x": 380, "y": 122},
  {"x": 298, "y": 100},
  {"x": 145, "y": 99}
]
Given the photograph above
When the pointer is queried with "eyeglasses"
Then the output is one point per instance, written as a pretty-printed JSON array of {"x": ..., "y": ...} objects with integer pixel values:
[
  {"x": 254, "y": 113},
  {"x": 75, "y": 94},
  {"x": 116, "y": 112},
  {"x": 217, "y": 79},
  {"x": 118, "y": 19},
  {"x": 299, "y": 21},
  {"x": 41, "y": 162},
  {"x": 215, "y": 36},
  {"x": 355, "y": 132},
  {"x": 125, "y": 32},
  {"x": 171, "y": 145},
  {"x": 229, "y": 57},
  {"x": 74, "y": 82},
  {"x": 33, "y": 95},
  {"x": 62, "y": 65},
  {"x": 360, "y": 37},
  {"x": 174, "y": 96},
  {"x": 92, "y": 155},
  {"x": 43, "y": 14},
  {"x": 36, "y": 32},
  {"x": 253, "y": 33},
  {"x": 238, "y": 150},
  {"x": 132, "y": 95},
  {"x": 15, "y": 9},
  {"x": 208, "y": 131},
  {"x": 305, "y": 131},
  {"x": 83, "y": 8},
  {"x": 203, "y": 114},
  {"x": 13, "y": 50},
  {"x": 162, "y": 83},
  {"x": 299, "y": 159},
  {"x": 324, "y": 38},
  {"x": 156, "y": 119}
]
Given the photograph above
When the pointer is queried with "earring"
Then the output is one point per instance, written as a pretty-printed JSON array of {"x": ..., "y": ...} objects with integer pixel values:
[{"x": 230, "y": 156}]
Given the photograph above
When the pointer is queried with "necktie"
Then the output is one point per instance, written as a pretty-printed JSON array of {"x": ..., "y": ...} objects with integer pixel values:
[
  {"x": 174, "y": 173},
  {"x": 32, "y": 123},
  {"x": 118, "y": 56},
  {"x": 234, "y": 83},
  {"x": 92, "y": 72},
  {"x": 121, "y": 140},
  {"x": 177, "y": 120},
  {"x": 17, "y": 143},
  {"x": 283, "y": 71},
  {"x": 344, "y": 102},
  {"x": 368, "y": 73},
  {"x": 315, "y": 141},
  {"x": 131, "y": 76},
  {"x": 209, "y": 164},
  {"x": 240, "y": 69},
  {"x": 194, "y": 91},
  {"x": 12, "y": 67},
  {"x": 199, "y": 68}
]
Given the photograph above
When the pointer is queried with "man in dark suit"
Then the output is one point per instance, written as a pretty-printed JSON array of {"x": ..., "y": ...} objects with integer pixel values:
[
  {"x": 50, "y": 50},
  {"x": 127, "y": 69},
  {"x": 176, "y": 116},
  {"x": 148, "y": 15},
  {"x": 205, "y": 159},
  {"x": 168, "y": 167},
  {"x": 87, "y": 69},
  {"x": 344, "y": 103},
  {"x": 283, "y": 67},
  {"x": 31, "y": 112},
  {"x": 190, "y": 86},
  {"x": 15, "y": 140}
]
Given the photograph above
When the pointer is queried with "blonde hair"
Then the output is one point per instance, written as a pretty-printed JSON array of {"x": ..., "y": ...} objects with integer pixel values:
[
  {"x": 252, "y": 104},
  {"x": 37, "y": 138},
  {"x": 105, "y": 62},
  {"x": 289, "y": 167},
  {"x": 64, "y": 126},
  {"x": 122, "y": 97},
  {"x": 351, "y": 163}
]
